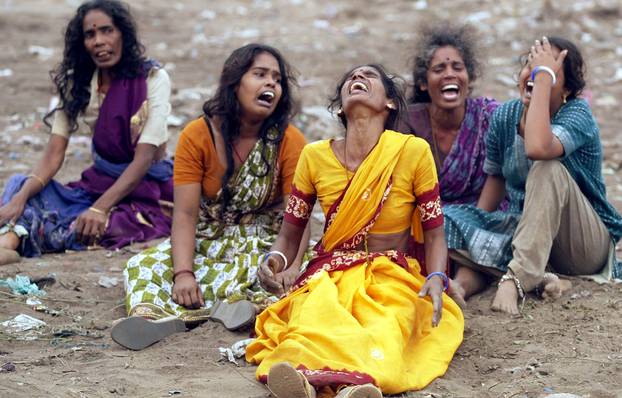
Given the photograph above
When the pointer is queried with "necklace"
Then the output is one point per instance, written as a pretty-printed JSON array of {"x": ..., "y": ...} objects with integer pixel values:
[{"x": 237, "y": 154}]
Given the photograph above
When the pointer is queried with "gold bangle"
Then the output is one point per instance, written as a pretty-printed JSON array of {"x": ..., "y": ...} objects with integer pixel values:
[
  {"x": 36, "y": 177},
  {"x": 96, "y": 210}
]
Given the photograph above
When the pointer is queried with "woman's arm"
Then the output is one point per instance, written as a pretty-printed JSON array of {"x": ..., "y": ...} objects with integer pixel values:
[
  {"x": 46, "y": 169},
  {"x": 540, "y": 142},
  {"x": 436, "y": 261},
  {"x": 186, "y": 291},
  {"x": 492, "y": 194},
  {"x": 92, "y": 223}
]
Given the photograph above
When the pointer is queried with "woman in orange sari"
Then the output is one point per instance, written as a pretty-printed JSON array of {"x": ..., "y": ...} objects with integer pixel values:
[{"x": 361, "y": 320}]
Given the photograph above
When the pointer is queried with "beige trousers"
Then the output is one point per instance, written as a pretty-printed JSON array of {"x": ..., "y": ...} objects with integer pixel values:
[{"x": 558, "y": 226}]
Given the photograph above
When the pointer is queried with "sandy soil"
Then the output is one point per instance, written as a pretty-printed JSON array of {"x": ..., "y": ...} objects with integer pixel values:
[{"x": 572, "y": 345}]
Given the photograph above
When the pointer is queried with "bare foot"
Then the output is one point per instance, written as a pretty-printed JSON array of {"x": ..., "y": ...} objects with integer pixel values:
[
  {"x": 506, "y": 298},
  {"x": 8, "y": 256},
  {"x": 457, "y": 293},
  {"x": 554, "y": 287}
]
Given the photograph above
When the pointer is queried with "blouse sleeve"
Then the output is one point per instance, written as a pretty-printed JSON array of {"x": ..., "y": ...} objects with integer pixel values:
[
  {"x": 293, "y": 142},
  {"x": 155, "y": 131},
  {"x": 60, "y": 125},
  {"x": 574, "y": 126},
  {"x": 494, "y": 154},
  {"x": 302, "y": 197},
  {"x": 426, "y": 188},
  {"x": 189, "y": 156}
]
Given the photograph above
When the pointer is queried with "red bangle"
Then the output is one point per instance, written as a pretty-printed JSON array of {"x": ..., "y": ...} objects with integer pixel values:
[{"x": 182, "y": 271}]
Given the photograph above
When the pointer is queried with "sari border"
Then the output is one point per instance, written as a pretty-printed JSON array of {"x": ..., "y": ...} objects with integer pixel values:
[
  {"x": 299, "y": 207},
  {"x": 330, "y": 377},
  {"x": 430, "y": 209}
]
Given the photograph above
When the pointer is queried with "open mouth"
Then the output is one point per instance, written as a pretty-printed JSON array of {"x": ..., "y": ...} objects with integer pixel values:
[
  {"x": 450, "y": 91},
  {"x": 267, "y": 98},
  {"x": 358, "y": 86}
]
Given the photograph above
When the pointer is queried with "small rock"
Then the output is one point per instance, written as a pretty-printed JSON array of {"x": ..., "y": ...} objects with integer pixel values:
[{"x": 7, "y": 367}]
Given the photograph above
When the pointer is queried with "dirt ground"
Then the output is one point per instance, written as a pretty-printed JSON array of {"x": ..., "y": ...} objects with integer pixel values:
[{"x": 572, "y": 345}]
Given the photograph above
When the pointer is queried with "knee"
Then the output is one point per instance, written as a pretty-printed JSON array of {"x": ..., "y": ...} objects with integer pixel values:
[{"x": 543, "y": 172}]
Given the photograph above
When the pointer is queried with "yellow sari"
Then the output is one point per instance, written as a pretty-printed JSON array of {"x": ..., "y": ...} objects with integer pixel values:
[{"x": 356, "y": 317}]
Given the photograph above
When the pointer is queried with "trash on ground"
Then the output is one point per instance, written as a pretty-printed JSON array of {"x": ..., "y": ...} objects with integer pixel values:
[
  {"x": 21, "y": 284},
  {"x": 22, "y": 323},
  {"x": 7, "y": 367},
  {"x": 108, "y": 281},
  {"x": 237, "y": 350}
]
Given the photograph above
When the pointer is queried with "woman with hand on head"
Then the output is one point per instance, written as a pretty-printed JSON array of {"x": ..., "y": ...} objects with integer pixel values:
[
  {"x": 108, "y": 89},
  {"x": 233, "y": 173},
  {"x": 444, "y": 113},
  {"x": 544, "y": 153},
  {"x": 361, "y": 320}
]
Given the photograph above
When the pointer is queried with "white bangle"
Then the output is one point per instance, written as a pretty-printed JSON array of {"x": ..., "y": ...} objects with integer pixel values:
[
  {"x": 278, "y": 253},
  {"x": 546, "y": 69}
]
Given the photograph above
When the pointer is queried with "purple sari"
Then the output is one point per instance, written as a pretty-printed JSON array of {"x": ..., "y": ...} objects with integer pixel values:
[
  {"x": 461, "y": 172},
  {"x": 49, "y": 216}
]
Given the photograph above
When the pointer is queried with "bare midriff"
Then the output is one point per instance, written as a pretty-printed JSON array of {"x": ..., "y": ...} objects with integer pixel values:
[{"x": 382, "y": 242}]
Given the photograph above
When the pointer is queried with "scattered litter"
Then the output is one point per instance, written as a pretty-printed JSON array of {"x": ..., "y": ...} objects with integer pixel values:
[
  {"x": 6, "y": 72},
  {"x": 22, "y": 323},
  {"x": 174, "y": 121},
  {"x": 581, "y": 294},
  {"x": 237, "y": 350},
  {"x": 43, "y": 53},
  {"x": 22, "y": 285},
  {"x": 108, "y": 281},
  {"x": 7, "y": 367},
  {"x": 174, "y": 392},
  {"x": 42, "y": 282}
]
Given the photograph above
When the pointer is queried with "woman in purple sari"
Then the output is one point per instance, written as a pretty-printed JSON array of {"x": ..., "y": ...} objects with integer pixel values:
[
  {"x": 443, "y": 113},
  {"x": 108, "y": 88}
]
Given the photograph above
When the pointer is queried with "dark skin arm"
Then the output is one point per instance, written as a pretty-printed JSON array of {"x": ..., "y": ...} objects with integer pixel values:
[
  {"x": 186, "y": 290},
  {"x": 91, "y": 224},
  {"x": 492, "y": 194},
  {"x": 436, "y": 261},
  {"x": 46, "y": 169}
]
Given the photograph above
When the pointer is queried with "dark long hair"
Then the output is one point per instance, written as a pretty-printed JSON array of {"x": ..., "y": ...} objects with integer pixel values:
[
  {"x": 393, "y": 86},
  {"x": 72, "y": 77},
  {"x": 225, "y": 105},
  {"x": 434, "y": 36}
]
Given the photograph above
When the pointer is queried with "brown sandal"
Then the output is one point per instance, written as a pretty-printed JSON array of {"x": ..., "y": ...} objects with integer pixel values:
[
  {"x": 286, "y": 382},
  {"x": 362, "y": 391}
]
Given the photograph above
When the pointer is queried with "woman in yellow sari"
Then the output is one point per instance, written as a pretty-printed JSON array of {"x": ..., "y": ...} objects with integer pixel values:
[{"x": 361, "y": 320}]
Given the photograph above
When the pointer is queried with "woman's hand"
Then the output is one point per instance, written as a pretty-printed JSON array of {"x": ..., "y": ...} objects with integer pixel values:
[
  {"x": 288, "y": 277},
  {"x": 10, "y": 212},
  {"x": 268, "y": 277},
  {"x": 186, "y": 291},
  {"x": 90, "y": 226},
  {"x": 541, "y": 54},
  {"x": 433, "y": 287}
]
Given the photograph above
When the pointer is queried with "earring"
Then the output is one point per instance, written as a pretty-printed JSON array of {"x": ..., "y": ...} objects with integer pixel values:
[
  {"x": 340, "y": 112},
  {"x": 390, "y": 106},
  {"x": 564, "y": 100}
]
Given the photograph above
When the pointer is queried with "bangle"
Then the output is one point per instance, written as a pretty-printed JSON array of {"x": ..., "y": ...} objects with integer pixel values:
[
  {"x": 96, "y": 210},
  {"x": 278, "y": 253},
  {"x": 443, "y": 277},
  {"x": 546, "y": 69},
  {"x": 182, "y": 271},
  {"x": 39, "y": 179}
]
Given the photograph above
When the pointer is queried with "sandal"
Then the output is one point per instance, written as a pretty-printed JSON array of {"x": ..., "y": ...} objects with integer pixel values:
[
  {"x": 137, "y": 332},
  {"x": 286, "y": 382},
  {"x": 362, "y": 391},
  {"x": 233, "y": 315}
]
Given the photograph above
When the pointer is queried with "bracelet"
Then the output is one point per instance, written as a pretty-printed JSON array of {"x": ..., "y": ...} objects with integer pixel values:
[
  {"x": 278, "y": 253},
  {"x": 39, "y": 179},
  {"x": 546, "y": 69},
  {"x": 96, "y": 210},
  {"x": 183, "y": 271},
  {"x": 443, "y": 277}
]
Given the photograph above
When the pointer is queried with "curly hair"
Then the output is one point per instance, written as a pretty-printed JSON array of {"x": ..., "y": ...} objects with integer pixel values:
[
  {"x": 434, "y": 36},
  {"x": 393, "y": 86},
  {"x": 72, "y": 77},
  {"x": 225, "y": 105}
]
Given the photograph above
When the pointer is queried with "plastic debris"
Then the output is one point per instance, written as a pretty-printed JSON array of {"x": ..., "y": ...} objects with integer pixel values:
[
  {"x": 6, "y": 72},
  {"x": 107, "y": 281},
  {"x": 22, "y": 323},
  {"x": 7, "y": 367},
  {"x": 43, "y": 53},
  {"x": 22, "y": 285},
  {"x": 237, "y": 350}
]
